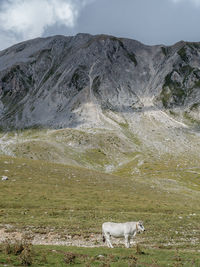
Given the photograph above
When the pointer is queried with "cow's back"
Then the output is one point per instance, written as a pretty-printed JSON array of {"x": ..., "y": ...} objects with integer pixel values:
[{"x": 114, "y": 229}]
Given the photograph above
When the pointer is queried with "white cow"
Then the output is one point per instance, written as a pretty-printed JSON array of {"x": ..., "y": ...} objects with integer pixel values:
[{"x": 126, "y": 230}]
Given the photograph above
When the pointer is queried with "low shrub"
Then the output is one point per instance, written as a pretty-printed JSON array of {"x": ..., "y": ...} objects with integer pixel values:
[{"x": 69, "y": 258}]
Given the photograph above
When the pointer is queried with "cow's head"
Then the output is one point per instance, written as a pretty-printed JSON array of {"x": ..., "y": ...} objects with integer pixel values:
[{"x": 140, "y": 227}]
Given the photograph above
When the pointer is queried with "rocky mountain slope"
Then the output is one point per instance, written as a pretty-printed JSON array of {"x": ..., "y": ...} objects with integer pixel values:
[{"x": 147, "y": 98}]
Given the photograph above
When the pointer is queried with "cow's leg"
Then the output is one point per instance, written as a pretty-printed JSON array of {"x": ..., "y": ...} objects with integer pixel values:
[
  {"x": 108, "y": 241},
  {"x": 127, "y": 241},
  {"x": 134, "y": 236}
]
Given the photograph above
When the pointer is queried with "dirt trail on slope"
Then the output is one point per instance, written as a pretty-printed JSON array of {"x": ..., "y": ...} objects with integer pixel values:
[
  {"x": 50, "y": 238},
  {"x": 53, "y": 238},
  {"x": 91, "y": 240}
]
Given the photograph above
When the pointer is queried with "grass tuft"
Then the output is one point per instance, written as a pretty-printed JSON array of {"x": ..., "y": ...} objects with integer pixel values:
[{"x": 69, "y": 258}]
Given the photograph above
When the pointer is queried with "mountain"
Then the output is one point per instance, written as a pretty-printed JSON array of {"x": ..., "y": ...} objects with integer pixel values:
[{"x": 110, "y": 94}]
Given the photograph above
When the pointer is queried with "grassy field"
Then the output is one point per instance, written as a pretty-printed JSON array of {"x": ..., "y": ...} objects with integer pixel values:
[
  {"x": 41, "y": 197},
  {"x": 97, "y": 149},
  {"x": 73, "y": 256}
]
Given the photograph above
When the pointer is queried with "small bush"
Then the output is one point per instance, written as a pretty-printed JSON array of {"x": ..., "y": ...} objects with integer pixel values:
[
  {"x": 139, "y": 250},
  {"x": 19, "y": 247},
  {"x": 7, "y": 247},
  {"x": 26, "y": 256},
  {"x": 69, "y": 258}
]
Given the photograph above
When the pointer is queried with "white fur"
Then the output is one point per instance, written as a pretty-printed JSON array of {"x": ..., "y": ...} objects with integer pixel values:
[{"x": 127, "y": 230}]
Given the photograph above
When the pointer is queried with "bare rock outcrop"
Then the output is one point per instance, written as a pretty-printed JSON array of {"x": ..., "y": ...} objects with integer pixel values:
[{"x": 81, "y": 81}]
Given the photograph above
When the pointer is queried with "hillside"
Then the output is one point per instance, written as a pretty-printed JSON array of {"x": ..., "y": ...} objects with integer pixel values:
[
  {"x": 41, "y": 198},
  {"x": 99, "y": 101},
  {"x": 86, "y": 81}
]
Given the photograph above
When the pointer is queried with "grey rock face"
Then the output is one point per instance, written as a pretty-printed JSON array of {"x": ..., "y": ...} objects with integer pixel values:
[{"x": 62, "y": 81}]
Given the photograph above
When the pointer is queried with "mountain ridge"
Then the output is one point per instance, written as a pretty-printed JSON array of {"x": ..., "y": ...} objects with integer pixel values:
[
  {"x": 147, "y": 97},
  {"x": 40, "y": 60}
]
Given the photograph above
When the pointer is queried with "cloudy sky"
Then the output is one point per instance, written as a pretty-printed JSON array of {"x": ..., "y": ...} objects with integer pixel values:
[{"x": 149, "y": 21}]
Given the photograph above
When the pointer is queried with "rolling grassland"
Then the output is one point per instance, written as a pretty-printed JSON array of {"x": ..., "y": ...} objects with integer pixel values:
[{"x": 54, "y": 204}]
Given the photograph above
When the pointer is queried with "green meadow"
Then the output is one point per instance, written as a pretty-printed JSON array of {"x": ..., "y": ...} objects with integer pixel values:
[
  {"x": 41, "y": 197},
  {"x": 73, "y": 256}
]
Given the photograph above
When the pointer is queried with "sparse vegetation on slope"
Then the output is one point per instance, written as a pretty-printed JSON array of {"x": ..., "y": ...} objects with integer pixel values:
[
  {"x": 44, "y": 200},
  {"x": 40, "y": 195},
  {"x": 96, "y": 149}
]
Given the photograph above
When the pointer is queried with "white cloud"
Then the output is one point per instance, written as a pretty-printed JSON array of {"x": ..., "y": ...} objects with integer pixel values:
[{"x": 22, "y": 19}]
